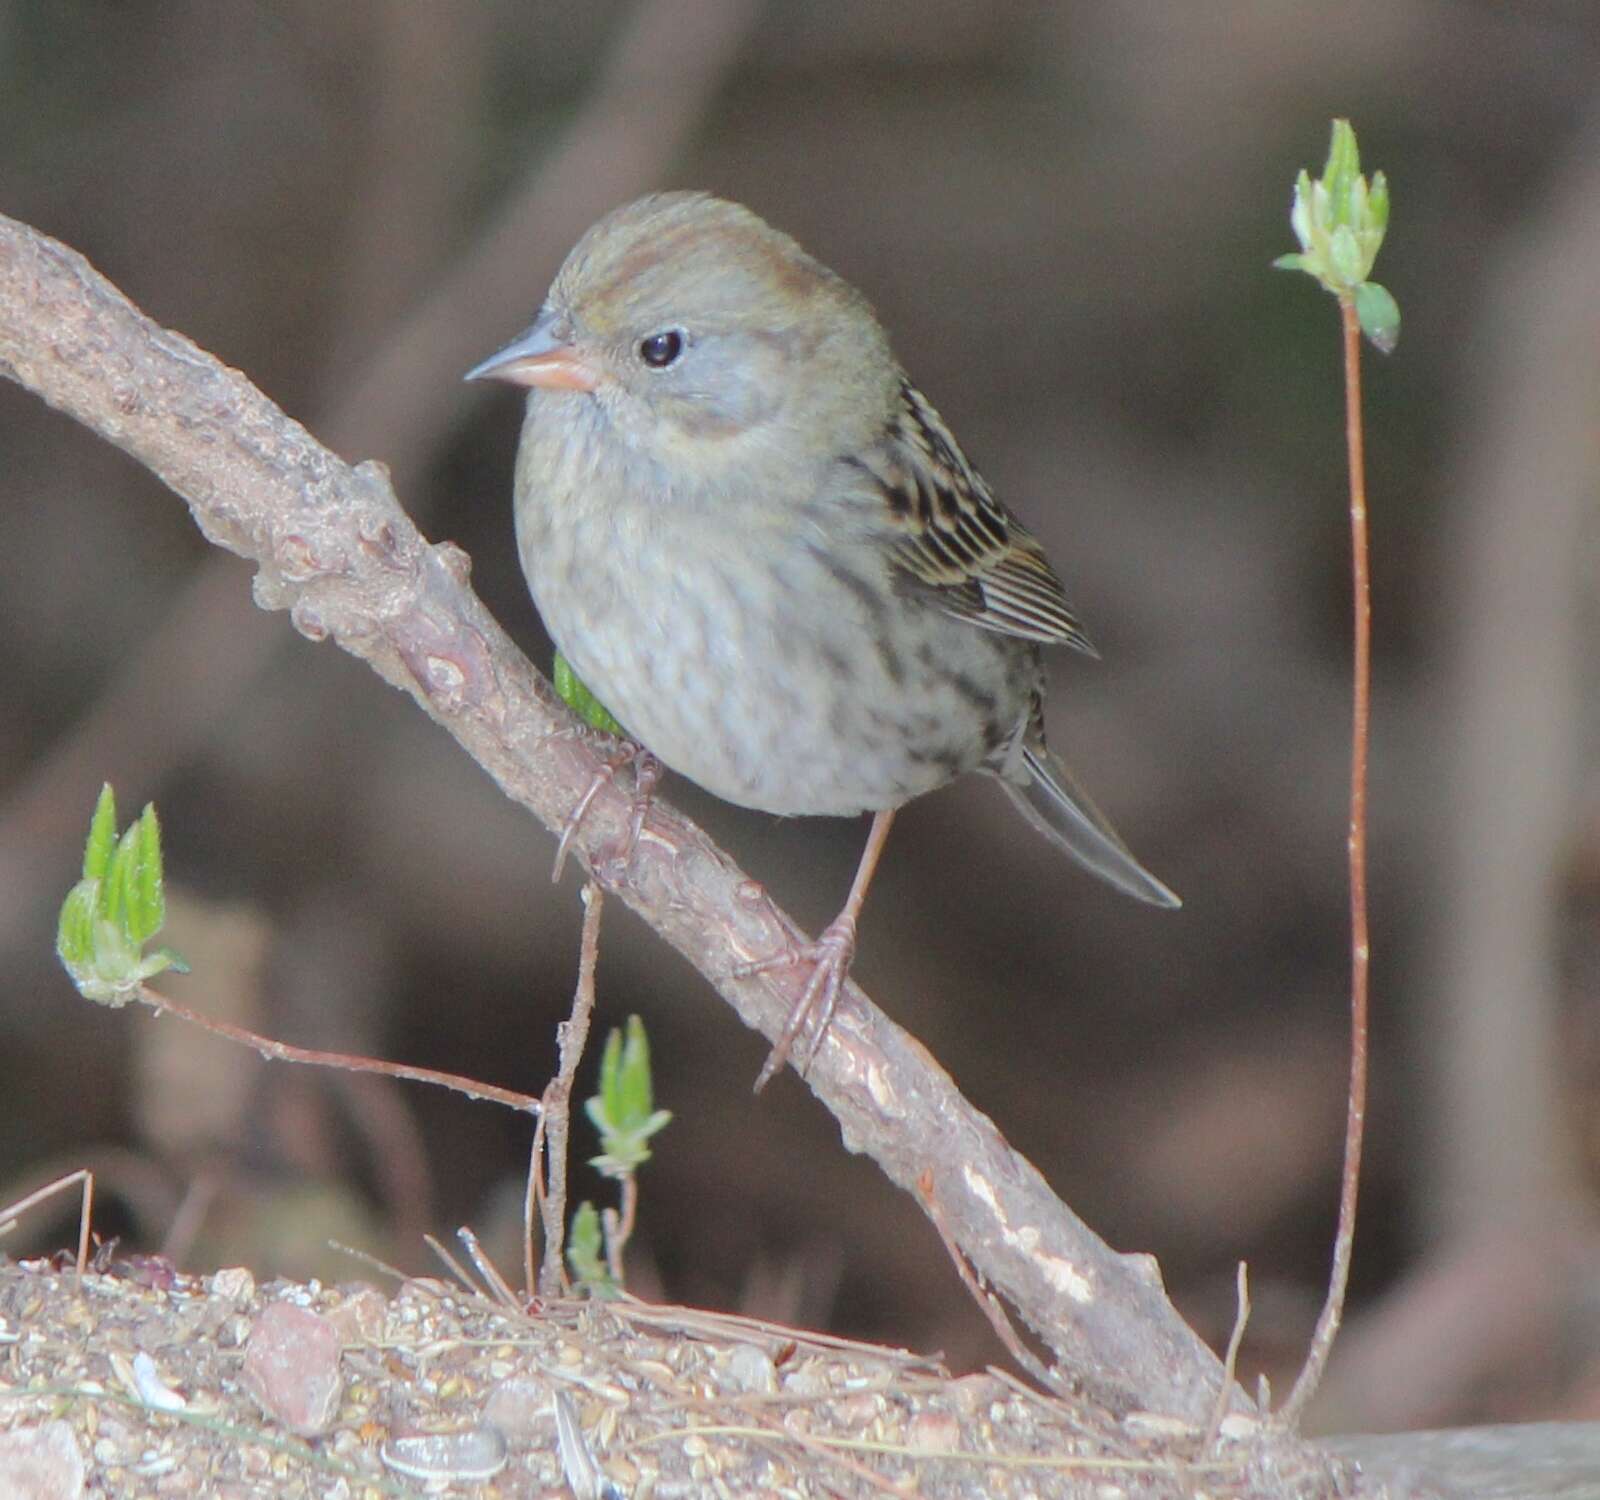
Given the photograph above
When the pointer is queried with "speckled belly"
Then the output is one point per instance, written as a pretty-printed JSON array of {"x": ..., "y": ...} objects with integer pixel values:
[{"x": 802, "y": 684}]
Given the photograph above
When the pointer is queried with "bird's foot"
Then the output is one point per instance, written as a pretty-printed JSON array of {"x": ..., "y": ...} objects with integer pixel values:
[
  {"x": 646, "y": 773},
  {"x": 830, "y": 957}
]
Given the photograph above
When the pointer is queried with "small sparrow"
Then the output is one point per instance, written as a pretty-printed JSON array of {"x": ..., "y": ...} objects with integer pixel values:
[{"x": 761, "y": 548}]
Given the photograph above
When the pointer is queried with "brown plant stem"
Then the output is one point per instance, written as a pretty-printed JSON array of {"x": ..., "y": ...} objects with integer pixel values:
[
  {"x": 346, "y": 1061},
  {"x": 572, "y": 1035},
  {"x": 618, "y": 1225},
  {"x": 1355, "y": 1119},
  {"x": 486, "y": 1268},
  {"x": 1230, "y": 1360},
  {"x": 10, "y": 1213}
]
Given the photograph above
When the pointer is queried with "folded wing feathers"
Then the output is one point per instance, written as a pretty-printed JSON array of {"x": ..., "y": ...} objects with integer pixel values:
[{"x": 983, "y": 564}]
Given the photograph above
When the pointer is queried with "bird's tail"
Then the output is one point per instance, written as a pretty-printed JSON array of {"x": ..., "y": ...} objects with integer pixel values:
[{"x": 1053, "y": 802}]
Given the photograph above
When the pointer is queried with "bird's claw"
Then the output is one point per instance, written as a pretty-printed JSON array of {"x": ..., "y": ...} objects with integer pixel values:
[
  {"x": 646, "y": 773},
  {"x": 830, "y": 956}
]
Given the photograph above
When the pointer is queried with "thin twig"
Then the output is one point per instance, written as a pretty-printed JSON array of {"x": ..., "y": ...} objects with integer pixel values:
[
  {"x": 455, "y": 1267},
  {"x": 1355, "y": 1120},
  {"x": 348, "y": 1062},
  {"x": 533, "y": 1198},
  {"x": 697, "y": 1322},
  {"x": 199, "y": 1195},
  {"x": 14, "y": 1211},
  {"x": 619, "y": 1225},
  {"x": 367, "y": 1258},
  {"x": 488, "y": 1270},
  {"x": 1230, "y": 1363},
  {"x": 572, "y": 1036}
]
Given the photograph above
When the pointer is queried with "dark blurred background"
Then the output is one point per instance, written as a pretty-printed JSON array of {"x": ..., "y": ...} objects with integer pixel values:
[{"x": 1065, "y": 214}]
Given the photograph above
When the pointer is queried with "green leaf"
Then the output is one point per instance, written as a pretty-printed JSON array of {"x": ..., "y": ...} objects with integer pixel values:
[
  {"x": 1379, "y": 315},
  {"x": 169, "y": 960},
  {"x": 1300, "y": 209},
  {"x": 586, "y": 1252},
  {"x": 1344, "y": 162},
  {"x": 609, "y": 1100},
  {"x": 1378, "y": 203},
  {"x": 571, "y": 690},
  {"x": 118, "y": 884},
  {"x": 1344, "y": 255},
  {"x": 147, "y": 906},
  {"x": 102, "y": 835},
  {"x": 633, "y": 1077},
  {"x": 75, "y": 926},
  {"x": 133, "y": 880}
]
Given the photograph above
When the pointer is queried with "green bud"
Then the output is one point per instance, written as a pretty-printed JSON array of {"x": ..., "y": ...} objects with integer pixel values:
[
  {"x": 586, "y": 1252},
  {"x": 1339, "y": 219},
  {"x": 623, "y": 1111},
  {"x": 117, "y": 907}
]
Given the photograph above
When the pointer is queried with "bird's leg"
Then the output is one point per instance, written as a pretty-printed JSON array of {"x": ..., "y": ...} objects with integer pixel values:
[
  {"x": 830, "y": 957},
  {"x": 646, "y": 776},
  {"x": 646, "y": 773}
]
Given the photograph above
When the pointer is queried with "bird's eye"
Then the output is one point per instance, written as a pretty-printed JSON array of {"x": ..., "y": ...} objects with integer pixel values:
[{"x": 661, "y": 349}]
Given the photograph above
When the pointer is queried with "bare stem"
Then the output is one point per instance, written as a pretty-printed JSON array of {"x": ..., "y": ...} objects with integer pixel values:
[
  {"x": 571, "y": 1037},
  {"x": 533, "y": 1200},
  {"x": 619, "y": 1226},
  {"x": 487, "y": 1269},
  {"x": 1230, "y": 1362},
  {"x": 1355, "y": 1120},
  {"x": 346, "y": 1061},
  {"x": 11, "y": 1212}
]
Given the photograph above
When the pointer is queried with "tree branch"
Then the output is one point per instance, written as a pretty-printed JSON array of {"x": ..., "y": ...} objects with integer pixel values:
[{"x": 334, "y": 548}]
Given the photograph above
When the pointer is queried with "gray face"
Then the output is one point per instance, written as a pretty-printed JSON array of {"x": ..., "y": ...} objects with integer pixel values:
[{"x": 714, "y": 329}]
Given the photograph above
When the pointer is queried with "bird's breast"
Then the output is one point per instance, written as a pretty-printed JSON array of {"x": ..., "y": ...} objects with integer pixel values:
[{"x": 772, "y": 664}]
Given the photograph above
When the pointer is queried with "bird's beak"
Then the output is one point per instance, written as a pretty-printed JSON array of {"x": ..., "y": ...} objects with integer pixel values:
[{"x": 540, "y": 357}]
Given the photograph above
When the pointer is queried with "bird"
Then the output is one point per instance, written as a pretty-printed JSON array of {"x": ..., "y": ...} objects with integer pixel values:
[{"x": 759, "y": 545}]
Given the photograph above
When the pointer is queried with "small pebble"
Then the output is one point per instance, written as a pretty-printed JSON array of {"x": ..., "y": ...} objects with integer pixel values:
[
  {"x": 291, "y": 1366},
  {"x": 746, "y": 1368},
  {"x": 933, "y": 1432},
  {"x": 153, "y": 1391},
  {"x": 475, "y": 1454},
  {"x": 41, "y": 1463}
]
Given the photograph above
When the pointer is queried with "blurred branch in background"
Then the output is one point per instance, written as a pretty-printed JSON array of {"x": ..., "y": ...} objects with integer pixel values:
[
  {"x": 654, "y": 90},
  {"x": 193, "y": 666},
  {"x": 1517, "y": 537}
]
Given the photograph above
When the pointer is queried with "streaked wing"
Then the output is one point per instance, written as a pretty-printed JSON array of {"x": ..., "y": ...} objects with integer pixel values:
[{"x": 979, "y": 562}]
